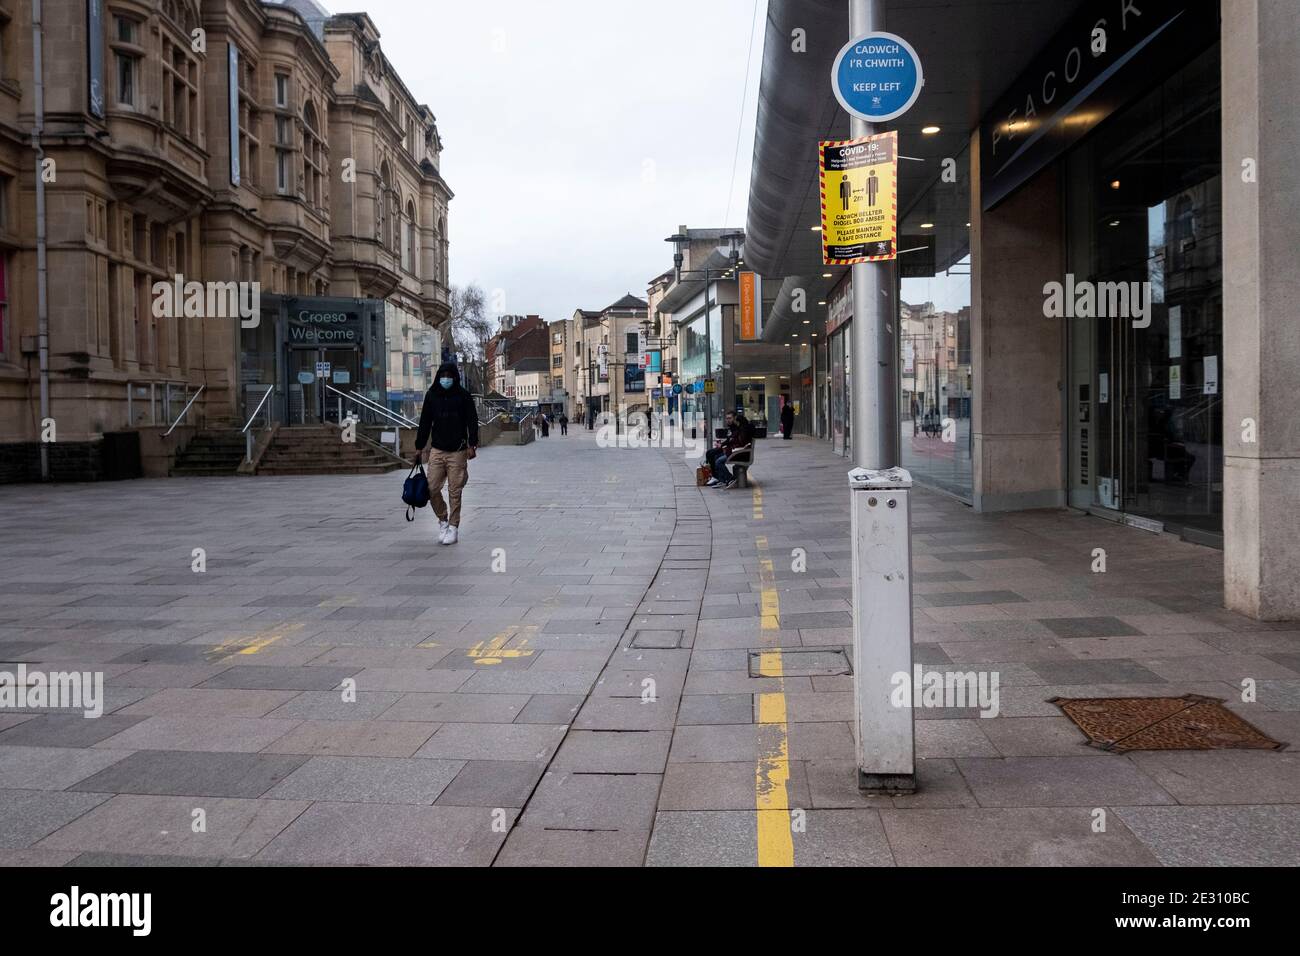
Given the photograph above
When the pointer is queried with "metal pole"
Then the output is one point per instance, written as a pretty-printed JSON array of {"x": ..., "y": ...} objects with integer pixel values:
[
  {"x": 880, "y": 510},
  {"x": 873, "y": 408},
  {"x": 42, "y": 304}
]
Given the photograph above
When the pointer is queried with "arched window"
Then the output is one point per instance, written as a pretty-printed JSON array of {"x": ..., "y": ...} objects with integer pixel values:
[
  {"x": 408, "y": 239},
  {"x": 313, "y": 158},
  {"x": 381, "y": 204}
]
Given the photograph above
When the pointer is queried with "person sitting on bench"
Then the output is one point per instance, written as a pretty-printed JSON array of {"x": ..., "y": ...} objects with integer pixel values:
[{"x": 735, "y": 448}]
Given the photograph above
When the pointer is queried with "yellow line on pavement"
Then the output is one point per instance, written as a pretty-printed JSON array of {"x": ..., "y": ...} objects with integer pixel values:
[
  {"x": 253, "y": 643},
  {"x": 758, "y": 503},
  {"x": 494, "y": 651},
  {"x": 772, "y": 774}
]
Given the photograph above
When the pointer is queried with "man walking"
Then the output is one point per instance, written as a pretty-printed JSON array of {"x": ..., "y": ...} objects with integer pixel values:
[
  {"x": 787, "y": 420},
  {"x": 564, "y": 423},
  {"x": 449, "y": 424}
]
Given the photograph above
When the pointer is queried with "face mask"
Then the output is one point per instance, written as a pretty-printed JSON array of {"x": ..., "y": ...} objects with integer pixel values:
[{"x": 446, "y": 382}]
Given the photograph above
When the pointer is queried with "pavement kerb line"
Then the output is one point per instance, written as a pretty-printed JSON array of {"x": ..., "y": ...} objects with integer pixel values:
[{"x": 772, "y": 772}]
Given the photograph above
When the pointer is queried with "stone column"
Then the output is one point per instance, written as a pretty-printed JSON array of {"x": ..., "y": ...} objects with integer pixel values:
[
  {"x": 1016, "y": 351},
  {"x": 1261, "y": 295}
]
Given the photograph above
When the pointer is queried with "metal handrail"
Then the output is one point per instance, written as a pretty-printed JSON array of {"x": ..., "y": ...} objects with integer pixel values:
[
  {"x": 374, "y": 407},
  {"x": 248, "y": 436},
  {"x": 184, "y": 410},
  {"x": 253, "y": 417}
]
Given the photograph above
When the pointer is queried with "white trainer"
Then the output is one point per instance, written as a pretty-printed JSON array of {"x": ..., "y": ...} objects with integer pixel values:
[
  {"x": 442, "y": 529},
  {"x": 450, "y": 536}
]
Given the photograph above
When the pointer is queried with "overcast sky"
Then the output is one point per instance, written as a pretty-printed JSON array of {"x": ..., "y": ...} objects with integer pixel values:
[{"x": 578, "y": 134}]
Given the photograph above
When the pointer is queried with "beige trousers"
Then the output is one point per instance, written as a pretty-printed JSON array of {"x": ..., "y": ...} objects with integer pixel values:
[{"x": 453, "y": 468}]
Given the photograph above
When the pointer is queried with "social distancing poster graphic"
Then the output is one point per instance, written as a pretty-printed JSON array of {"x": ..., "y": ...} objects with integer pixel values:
[{"x": 859, "y": 195}]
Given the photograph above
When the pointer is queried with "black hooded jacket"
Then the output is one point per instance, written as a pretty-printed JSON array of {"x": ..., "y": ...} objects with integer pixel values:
[{"x": 449, "y": 420}]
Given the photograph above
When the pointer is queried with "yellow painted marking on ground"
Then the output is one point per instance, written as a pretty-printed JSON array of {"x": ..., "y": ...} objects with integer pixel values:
[
  {"x": 253, "y": 643},
  {"x": 494, "y": 651},
  {"x": 758, "y": 503},
  {"x": 345, "y": 600},
  {"x": 772, "y": 774}
]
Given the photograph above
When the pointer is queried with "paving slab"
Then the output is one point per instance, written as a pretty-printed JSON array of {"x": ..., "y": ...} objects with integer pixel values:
[
  {"x": 51, "y": 768},
  {"x": 368, "y": 780},
  {"x": 186, "y": 773},
  {"x": 165, "y": 825},
  {"x": 27, "y": 816}
]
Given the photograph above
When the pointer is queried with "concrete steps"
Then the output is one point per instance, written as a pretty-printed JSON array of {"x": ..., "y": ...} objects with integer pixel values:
[
  {"x": 320, "y": 450},
  {"x": 210, "y": 453}
]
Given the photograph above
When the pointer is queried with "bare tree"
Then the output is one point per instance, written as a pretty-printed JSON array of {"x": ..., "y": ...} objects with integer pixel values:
[{"x": 470, "y": 326}]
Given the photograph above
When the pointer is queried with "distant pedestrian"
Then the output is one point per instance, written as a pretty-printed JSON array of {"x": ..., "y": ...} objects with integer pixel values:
[
  {"x": 564, "y": 424},
  {"x": 449, "y": 424},
  {"x": 787, "y": 421},
  {"x": 545, "y": 423}
]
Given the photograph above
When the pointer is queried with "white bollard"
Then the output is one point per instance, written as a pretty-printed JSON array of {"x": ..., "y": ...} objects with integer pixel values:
[{"x": 880, "y": 502}]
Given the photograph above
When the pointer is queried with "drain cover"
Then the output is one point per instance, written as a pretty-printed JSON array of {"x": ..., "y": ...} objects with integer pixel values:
[
  {"x": 1121, "y": 724},
  {"x": 802, "y": 663},
  {"x": 657, "y": 639}
]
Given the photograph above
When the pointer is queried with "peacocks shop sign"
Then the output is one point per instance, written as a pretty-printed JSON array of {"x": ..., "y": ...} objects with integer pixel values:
[{"x": 1111, "y": 51}]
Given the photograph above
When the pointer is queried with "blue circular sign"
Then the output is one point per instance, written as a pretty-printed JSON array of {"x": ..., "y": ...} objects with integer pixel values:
[
  {"x": 877, "y": 77},
  {"x": 677, "y": 389}
]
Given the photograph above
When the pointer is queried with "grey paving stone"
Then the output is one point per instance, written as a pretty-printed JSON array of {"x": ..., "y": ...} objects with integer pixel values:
[
  {"x": 531, "y": 681},
  {"x": 368, "y": 780},
  {"x": 169, "y": 654},
  {"x": 964, "y": 598},
  {"x": 162, "y": 825},
  {"x": 183, "y": 773},
  {"x": 493, "y": 783},
  {"x": 589, "y": 751},
  {"x": 720, "y": 744},
  {"x": 1038, "y": 737},
  {"x": 171, "y": 675},
  {"x": 116, "y": 860},
  {"x": 353, "y": 738},
  {"x": 952, "y": 738},
  {"x": 203, "y": 702},
  {"x": 591, "y": 801},
  {"x": 468, "y": 741},
  {"x": 330, "y": 705},
  {"x": 1218, "y": 836},
  {"x": 710, "y": 838},
  {"x": 232, "y": 734},
  {"x": 458, "y": 708},
  {"x": 716, "y": 709},
  {"x": 550, "y": 709},
  {"x": 263, "y": 677},
  {"x": 26, "y": 816},
  {"x": 1060, "y": 782},
  {"x": 1031, "y": 836},
  {"x": 841, "y": 838},
  {"x": 532, "y": 846},
  {"x": 66, "y": 730},
  {"x": 724, "y": 786},
  {"x": 1224, "y": 776},
  {"x": 371, "y": 834},
  {"x": 1094, "y": 672},
  {"x": 607, "y": 713},
  {"x": 1068, "y": 627},
  {"x": 51, "y": 768}
]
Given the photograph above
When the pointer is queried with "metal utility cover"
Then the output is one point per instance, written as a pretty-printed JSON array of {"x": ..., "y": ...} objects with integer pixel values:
[
  {"x": 1192, "y": 722},
  {"x": 796, "y": 663},
  {"x": 657, "y": 639}
]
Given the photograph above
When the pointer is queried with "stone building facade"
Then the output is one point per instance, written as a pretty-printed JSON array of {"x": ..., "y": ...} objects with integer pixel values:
[{"x": 212, "y": 140}]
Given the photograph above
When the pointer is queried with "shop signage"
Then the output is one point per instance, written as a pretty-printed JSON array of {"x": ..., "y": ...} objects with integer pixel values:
[
  {"x": 859, "y": 197},
  {"x": 1082, "y": 76},
  {"x": 749, "y": 299},
  {"x": 312, "y": 327},
  {"x": 840, "y": 306}
]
